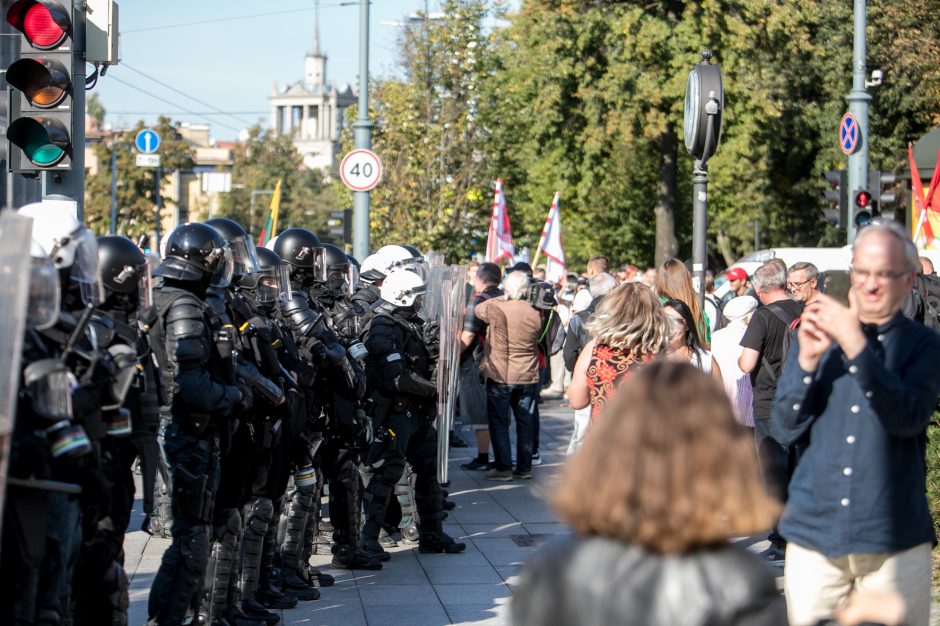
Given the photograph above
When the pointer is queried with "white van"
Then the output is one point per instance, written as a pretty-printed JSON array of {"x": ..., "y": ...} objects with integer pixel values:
[{"x": 823, "y": 258}]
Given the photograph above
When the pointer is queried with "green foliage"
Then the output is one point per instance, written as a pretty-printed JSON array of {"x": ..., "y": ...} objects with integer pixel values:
[
  {"x": 585, "y": 98},
  {"x": 435, "y": 191},
  {"x": 136, "y": 186},
  {"x": 262, "y": 160},
  {"x": 933, "y": 480}
]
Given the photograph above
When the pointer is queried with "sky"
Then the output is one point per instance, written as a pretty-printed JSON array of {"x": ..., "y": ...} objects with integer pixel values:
[{"x": 227, "y": 55}]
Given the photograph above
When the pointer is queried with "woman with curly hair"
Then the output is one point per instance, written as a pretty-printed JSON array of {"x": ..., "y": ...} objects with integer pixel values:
[
  {"x": 629, "y": 329},
  {"x": 653, "y": 498}
]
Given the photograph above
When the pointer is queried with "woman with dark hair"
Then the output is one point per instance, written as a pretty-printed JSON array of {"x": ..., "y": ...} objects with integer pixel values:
[
  {"x": 653, "y": 497},
  {"x": 685, "y": 343}
]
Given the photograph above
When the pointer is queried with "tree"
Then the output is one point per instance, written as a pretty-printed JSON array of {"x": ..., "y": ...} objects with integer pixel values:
[
  {"x": 436, "y": 188},
  {"x": 260, "y": 162},
  {"x": 136, "y": 200}
]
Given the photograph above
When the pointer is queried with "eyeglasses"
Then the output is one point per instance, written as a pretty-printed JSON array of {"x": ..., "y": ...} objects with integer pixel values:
[
  {"x": 882, "y": 277},
  {"x": 792, "y": 286}
]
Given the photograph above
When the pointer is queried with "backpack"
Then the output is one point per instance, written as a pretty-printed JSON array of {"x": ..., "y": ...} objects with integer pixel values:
[
  {"x": 925, "y": 301},
  {"x": 720, "y": 320}
]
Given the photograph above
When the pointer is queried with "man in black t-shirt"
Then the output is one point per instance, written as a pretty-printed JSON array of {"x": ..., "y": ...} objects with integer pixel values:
[
  {"x": 472, "y": 396},
  {"x": 763, "y": 358}
]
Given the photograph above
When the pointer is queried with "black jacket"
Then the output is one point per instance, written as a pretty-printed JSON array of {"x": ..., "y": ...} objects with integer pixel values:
[{"x": 597, "y": 581}]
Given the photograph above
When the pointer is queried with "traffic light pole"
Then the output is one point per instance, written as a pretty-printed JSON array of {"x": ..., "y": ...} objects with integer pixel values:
[
  {"x": 858, "y": 106},
  {"x": 363, "y": 135},
  {"x": 71, "y": 183}
]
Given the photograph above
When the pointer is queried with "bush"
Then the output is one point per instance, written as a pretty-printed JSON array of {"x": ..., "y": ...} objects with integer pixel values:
[{"x": 933, "y": 483}]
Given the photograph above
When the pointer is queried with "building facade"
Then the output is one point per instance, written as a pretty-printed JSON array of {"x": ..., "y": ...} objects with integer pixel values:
[{"x": 311, "y": 111}]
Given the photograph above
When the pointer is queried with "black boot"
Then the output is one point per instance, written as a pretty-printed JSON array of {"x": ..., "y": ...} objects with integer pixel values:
[
  {"x": 439, "y": 543},
  {"x": 345, "y": 557},
  {"x": 293, "y": 585},
  {"x": 274, "y": 598},
  {"x": 254, "y": 610}
]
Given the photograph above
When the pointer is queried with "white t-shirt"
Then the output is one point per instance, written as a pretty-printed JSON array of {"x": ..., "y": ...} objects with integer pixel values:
[{"x": 726, "y": 348}]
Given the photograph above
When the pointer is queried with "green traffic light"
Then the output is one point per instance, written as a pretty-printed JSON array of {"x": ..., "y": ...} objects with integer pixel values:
[{"x": 44, "y": 141}]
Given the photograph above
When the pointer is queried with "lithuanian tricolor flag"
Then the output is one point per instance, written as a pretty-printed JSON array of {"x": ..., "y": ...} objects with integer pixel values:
[{"x": 269, "y": 231}]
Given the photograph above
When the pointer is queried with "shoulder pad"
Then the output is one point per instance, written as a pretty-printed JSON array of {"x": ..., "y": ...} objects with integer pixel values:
[
  {"x": 185, "y": 308},
  {"x": 102, "y": 328}
]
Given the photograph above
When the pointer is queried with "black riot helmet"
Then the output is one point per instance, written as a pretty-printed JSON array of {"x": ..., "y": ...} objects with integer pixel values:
[
  {"x": 414, "y": 251},
  {"x": 244, "y": 258},
  {"x": 123, "y": 269},
  {"x": 271, "y": 282},
  {"x": 194, "y": 252},
  {"x": 336, "y": 272},
  {"x": 298, "y": 247}
]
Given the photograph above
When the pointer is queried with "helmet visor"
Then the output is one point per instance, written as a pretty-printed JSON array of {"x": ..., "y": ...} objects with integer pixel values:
[
  {"x": 223, "y": 275},
  {"x": 244, "y": 256},
  {"x": 43, "y": 294},
  {"x": 145, "y": 287},
  {"x": 274, "y": 285},
  {"x": 319, "y": 266},
  {"x": 84, "y": 269},
  {"x": 339, "y": 279}
]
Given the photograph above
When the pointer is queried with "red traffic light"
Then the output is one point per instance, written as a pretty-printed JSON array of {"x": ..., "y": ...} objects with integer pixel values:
[
  {"x": 44, "y": 23},
  {"x": 862, "y": 199}
]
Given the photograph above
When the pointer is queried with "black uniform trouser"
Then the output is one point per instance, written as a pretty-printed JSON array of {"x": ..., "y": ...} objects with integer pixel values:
[
  {"x": 409, "y": 437},
  {"x": 194, "y": 468},
  {"x": 339, "y": 465},
  {"x": 100, "y": 587}
]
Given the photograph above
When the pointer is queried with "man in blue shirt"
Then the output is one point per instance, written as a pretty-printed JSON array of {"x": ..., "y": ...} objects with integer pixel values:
[{"x": 862, "y": 381}]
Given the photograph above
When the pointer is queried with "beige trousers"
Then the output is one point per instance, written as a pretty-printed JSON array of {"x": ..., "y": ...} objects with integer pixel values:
[{"x": 815, "y": 584}]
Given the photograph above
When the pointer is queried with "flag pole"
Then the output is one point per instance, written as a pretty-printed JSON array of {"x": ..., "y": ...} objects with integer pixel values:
[{"x": 548, "y": 220}]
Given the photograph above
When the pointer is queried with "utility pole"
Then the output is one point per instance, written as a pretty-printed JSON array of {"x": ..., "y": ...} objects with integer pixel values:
[
  {"x": 858, "y": 106},
  {"x": 112, "y": 230},
  {"x": 362, "y": 128}
]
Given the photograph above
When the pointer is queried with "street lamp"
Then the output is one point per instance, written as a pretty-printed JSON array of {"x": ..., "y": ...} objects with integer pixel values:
[{"x": 704, "y": 102}]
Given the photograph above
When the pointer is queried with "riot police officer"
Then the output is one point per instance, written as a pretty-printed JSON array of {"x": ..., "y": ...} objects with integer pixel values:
[
  {"x": 335, "y": 373},
  {"x": 399, "y": 375},
  {"x": 194, "y": 352}
]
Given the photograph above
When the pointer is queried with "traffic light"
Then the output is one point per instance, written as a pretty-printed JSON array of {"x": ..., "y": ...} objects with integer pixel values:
[
  {"x": 865, "y": 209},
  {"x": 340, "y": 224},
  {"x": 880, "y": 184},
  {"x": 837, "y": 195},
  {"x": 40, "y": 94}
]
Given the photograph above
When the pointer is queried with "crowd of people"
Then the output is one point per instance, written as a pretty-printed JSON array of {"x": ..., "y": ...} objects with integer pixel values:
[
  {"x": 813, "y": 427},
  {"x": 243, "y": 380}
]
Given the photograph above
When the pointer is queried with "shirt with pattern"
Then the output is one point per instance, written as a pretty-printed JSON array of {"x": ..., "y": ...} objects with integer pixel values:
[{"x": 608, "y": 369}]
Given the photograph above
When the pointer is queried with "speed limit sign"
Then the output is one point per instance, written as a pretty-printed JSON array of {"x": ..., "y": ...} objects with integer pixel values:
[{"x": 361, "y": 170}]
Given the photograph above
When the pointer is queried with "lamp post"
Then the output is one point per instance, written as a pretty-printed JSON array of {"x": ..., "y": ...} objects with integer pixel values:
[{"x": 704, "y": 102}]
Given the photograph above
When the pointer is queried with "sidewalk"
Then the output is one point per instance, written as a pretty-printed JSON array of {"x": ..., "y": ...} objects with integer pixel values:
[{"x": 502, "y": 524}]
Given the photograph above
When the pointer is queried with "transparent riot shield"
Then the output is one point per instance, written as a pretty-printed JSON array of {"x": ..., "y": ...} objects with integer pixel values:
[
  {"x": 15, "y": 236},
  {"x": 446, "y": 301}
]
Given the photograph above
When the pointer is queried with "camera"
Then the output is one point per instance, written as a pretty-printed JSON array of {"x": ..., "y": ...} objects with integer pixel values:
[{"x": 541, "y": 295}]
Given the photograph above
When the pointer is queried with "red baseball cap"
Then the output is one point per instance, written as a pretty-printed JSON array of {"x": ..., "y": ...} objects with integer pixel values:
[{"x": 736, "y": 273}]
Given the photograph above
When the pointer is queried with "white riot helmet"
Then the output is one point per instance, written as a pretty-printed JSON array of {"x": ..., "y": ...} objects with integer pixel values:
[
  {"x": 403, "y": 289},
  {"x": 393, "y": 256},
  {"x": 70, "y": 246}
]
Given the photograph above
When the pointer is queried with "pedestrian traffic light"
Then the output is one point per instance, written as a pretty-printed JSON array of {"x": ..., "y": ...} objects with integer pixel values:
[
  {"x": 40, "y": 94},
  {"x": 865, "y": 209},
  {"x": 837, "y": 196}
]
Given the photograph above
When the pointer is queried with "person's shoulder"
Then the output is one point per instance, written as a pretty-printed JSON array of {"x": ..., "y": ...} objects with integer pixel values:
[
  {"x": 919, "y": 334},
  {"x": 794, "y": 307}
]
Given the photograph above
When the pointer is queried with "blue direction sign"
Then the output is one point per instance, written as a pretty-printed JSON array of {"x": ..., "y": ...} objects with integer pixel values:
[
  {"x": 147, "y": 141},
  {"x": 849, "y": 133}
]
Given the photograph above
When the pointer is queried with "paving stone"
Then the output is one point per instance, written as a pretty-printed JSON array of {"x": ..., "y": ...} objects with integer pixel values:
[
  {"x": 475, "y": 594},
  {"x": 445, "y": 574}
]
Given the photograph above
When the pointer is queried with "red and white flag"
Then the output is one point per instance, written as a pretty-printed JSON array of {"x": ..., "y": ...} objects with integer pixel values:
[
  {"x": 499, "y": 239},
  {"x": 550, "y": 245}
]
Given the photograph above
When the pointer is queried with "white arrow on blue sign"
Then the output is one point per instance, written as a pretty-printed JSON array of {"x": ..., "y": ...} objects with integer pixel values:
[{"x": 147, "y": 141}]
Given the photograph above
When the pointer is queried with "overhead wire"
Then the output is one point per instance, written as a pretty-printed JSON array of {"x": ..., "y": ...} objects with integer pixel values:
[
  {"x": 236, "y": 18},
  {"x": 171, "y": 103},
  {"x": 184, "y": 94}
]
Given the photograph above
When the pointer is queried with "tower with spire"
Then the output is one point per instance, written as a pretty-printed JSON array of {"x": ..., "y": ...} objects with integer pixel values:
[{"x": 311, "y": 110}]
